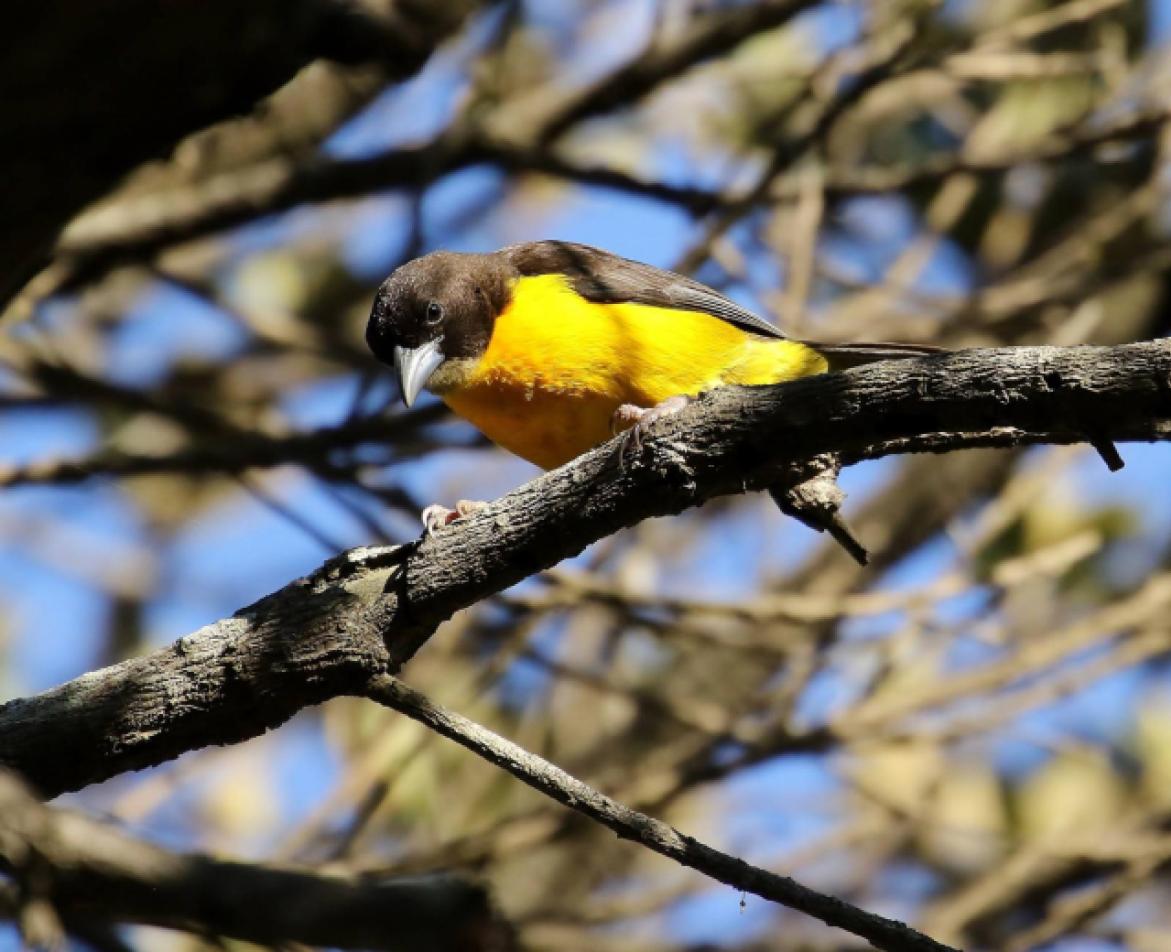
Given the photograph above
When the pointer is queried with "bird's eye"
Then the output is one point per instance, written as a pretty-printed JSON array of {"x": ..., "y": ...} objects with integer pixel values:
[{"x": 434, "y": 312}]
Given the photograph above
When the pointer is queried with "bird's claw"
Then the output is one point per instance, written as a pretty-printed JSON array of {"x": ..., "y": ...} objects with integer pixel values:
[
  {"x": 435, "y": 516},
  {"x": 636, "y": 420}
]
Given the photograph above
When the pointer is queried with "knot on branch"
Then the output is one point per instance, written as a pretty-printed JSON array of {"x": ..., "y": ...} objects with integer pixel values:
[{"x": 817, "y": 501}]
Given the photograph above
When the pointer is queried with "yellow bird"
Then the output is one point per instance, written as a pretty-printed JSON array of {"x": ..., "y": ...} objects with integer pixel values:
[{"x": 549, "y": 347}]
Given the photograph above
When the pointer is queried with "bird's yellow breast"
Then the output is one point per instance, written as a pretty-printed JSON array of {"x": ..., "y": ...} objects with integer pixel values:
[{"x": 558, "y": 366}]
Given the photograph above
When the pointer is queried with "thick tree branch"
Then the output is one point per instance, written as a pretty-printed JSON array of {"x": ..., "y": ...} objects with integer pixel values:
[
  {"x": 368, "y": 610},
  {"x": 87, "y": 870},
  {"x": 629, "y": 824}
]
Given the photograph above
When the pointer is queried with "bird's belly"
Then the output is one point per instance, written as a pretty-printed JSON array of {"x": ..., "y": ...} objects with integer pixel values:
[{"x": 545, "y": 427}]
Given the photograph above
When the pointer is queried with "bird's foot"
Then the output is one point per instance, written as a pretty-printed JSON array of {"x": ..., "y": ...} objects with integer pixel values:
[
  {"x": 435, "y": 517},
  {"x": 636, "y": 420}
]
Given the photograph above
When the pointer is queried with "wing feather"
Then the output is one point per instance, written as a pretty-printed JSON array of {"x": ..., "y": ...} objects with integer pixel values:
[{"x": 606, "y": 278}]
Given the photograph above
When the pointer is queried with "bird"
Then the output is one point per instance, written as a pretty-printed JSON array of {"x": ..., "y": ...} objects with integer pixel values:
[{"x": 551, "y": 347}]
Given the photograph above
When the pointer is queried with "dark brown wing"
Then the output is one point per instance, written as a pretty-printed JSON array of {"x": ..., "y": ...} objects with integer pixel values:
[{"x": 606, "y": 278}]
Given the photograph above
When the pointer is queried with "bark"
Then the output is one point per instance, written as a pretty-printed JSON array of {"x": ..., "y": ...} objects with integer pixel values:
[{"x": 368, "y": 610}]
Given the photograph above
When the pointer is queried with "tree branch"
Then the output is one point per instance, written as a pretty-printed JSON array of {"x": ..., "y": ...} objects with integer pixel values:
[
  {"x": 368, "y": 610},
  {"x": 88, "y": 870},
  {"x": 629, "y": 824}
]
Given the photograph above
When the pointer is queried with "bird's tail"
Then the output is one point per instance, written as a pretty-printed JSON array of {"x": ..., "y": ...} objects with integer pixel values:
[{"x": 845, "y": 356}]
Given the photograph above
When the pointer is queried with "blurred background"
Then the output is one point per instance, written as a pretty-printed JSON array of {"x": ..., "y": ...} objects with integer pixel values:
[{"x": 973, "y": 734}]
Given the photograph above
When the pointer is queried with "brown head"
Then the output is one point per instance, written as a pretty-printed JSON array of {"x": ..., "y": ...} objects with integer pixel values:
[{"x": 434, "y": 311}]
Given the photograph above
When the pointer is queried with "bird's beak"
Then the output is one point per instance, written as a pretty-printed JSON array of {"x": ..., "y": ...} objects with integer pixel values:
[{"x": 414, "y": 366}]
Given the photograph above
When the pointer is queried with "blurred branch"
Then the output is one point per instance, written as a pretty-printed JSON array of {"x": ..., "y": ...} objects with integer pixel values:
[
  {"x": 544, "y": 118},
  {"x": 139, "y": 225},
  {"x": 550, "y": 780},
  {"x": 878, "y": 59},
  {"x": 1070, "y": 882},
  {"x": 145, "y": 72},
  {"x": 236, "y": 453},
  {"x": 369, "y": 610},
  {"x": 88, "y": 870}
]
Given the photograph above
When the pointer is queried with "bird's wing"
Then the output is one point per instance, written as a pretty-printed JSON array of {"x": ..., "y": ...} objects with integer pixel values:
[{"x": 606, "y": 278}]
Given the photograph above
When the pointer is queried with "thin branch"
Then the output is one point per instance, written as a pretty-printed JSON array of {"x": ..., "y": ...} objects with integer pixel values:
[{"x": 629, "y": 824}]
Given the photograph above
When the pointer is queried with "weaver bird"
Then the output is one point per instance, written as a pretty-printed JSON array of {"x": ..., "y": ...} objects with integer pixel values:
[{"x": 549, "y": 347}]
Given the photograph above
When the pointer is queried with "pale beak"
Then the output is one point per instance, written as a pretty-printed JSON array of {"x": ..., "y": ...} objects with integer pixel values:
[{"x": 414, "y": 366}]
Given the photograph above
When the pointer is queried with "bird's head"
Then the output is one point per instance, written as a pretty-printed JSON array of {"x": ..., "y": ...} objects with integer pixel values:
[{"x": 433, "y": 317}]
